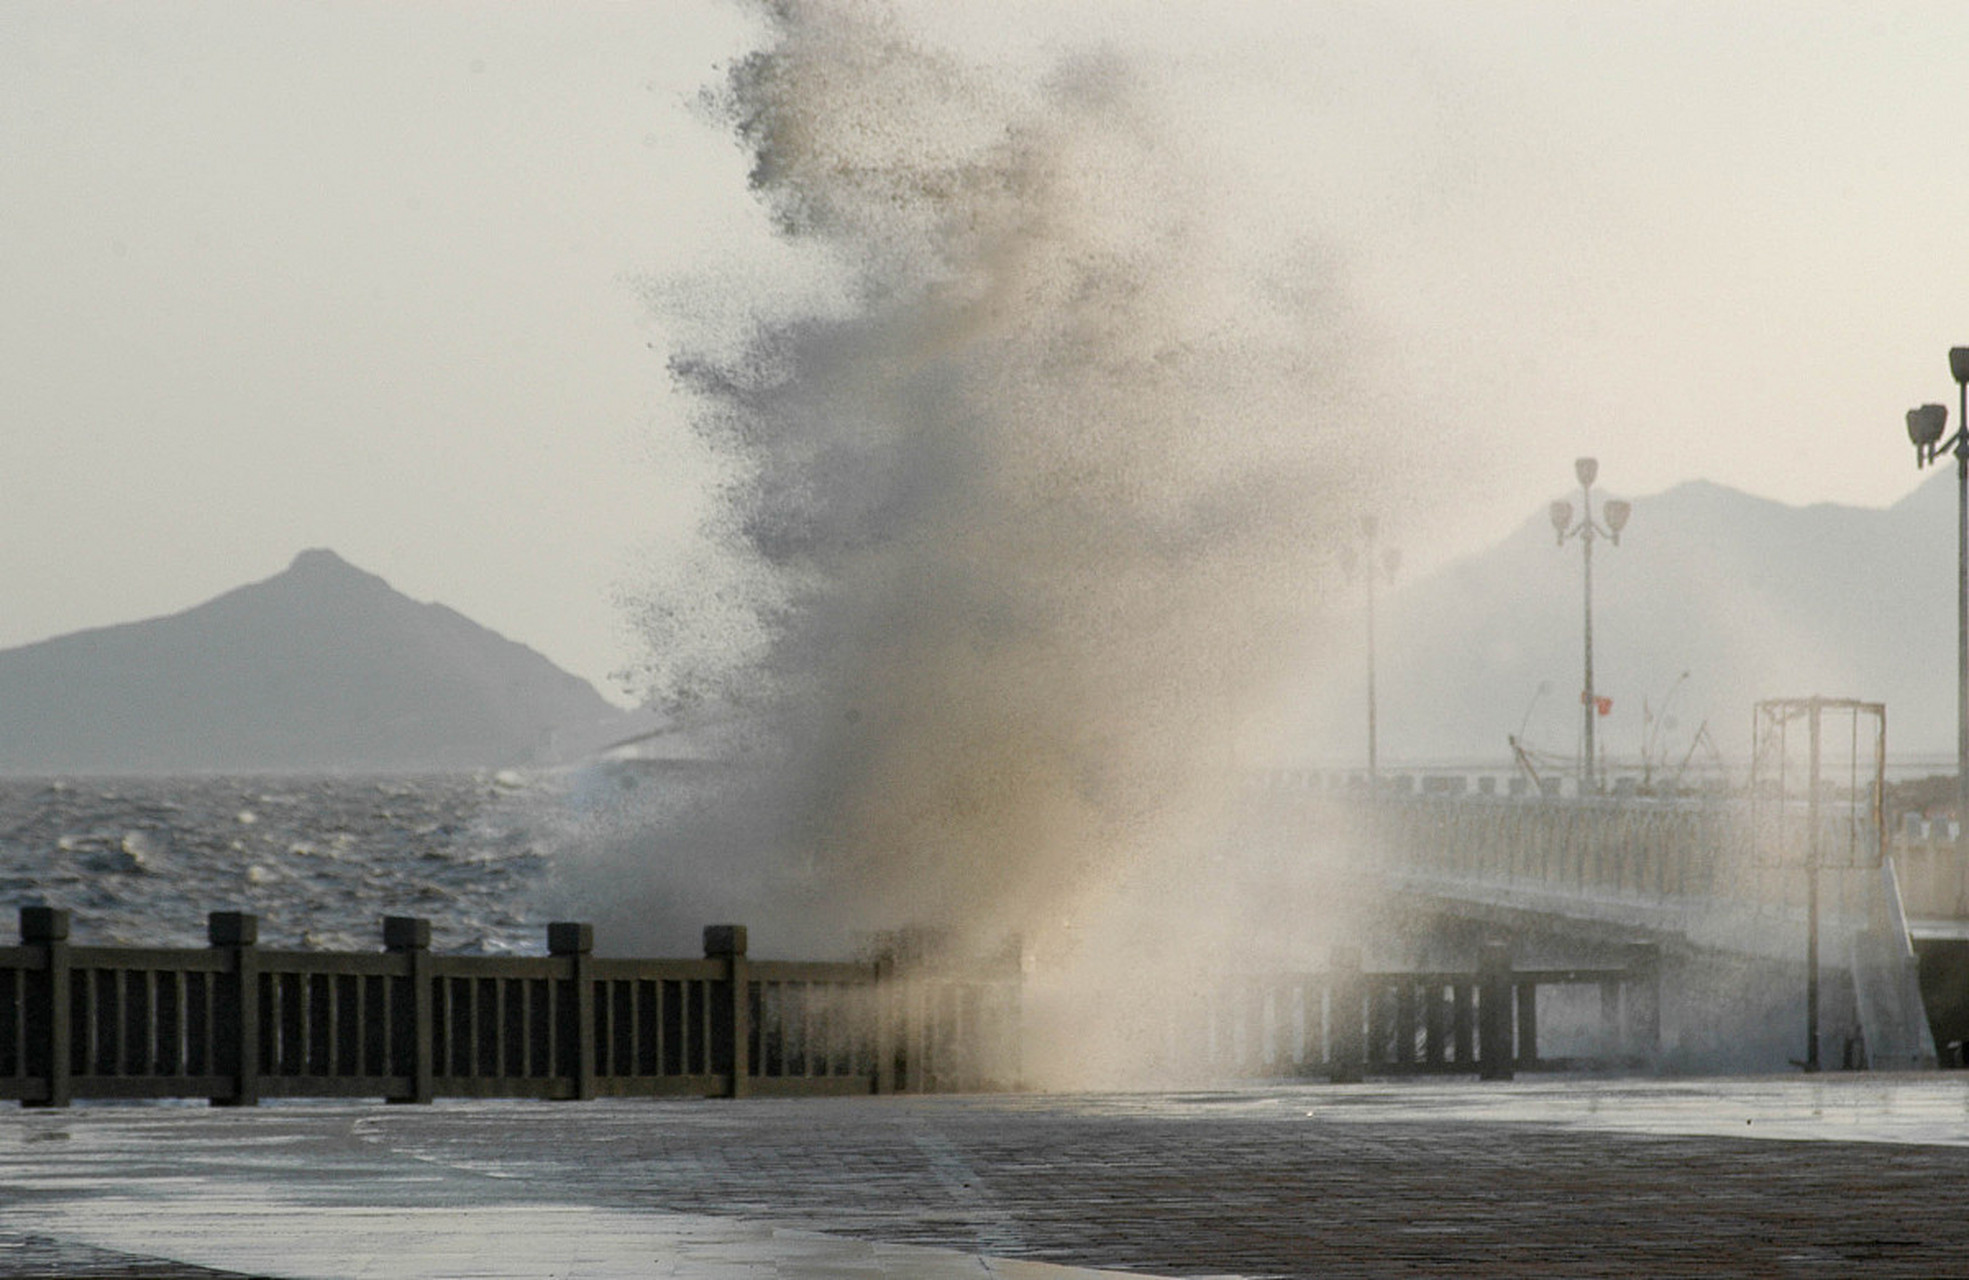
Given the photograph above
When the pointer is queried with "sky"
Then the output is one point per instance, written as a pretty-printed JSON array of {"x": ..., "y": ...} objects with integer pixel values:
[{"x": 402, "y": 279}]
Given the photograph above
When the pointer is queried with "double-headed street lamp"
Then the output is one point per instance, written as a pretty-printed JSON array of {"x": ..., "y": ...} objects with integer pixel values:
[
  {"x": 1587, "y": 530},
  {"x": 1925, "y": 427}
]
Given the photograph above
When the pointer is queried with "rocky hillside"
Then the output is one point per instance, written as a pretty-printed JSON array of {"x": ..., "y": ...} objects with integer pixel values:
[{"x": 320, "y": 668}]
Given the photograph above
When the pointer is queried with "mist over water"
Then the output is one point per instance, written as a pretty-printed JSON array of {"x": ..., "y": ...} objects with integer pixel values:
[{"x": 1025, "y": 530}]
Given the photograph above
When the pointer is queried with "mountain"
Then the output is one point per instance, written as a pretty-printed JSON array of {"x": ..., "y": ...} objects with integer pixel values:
[
  {"x": 1753, "y": 599},
  {"x": 321, "y": 667}
]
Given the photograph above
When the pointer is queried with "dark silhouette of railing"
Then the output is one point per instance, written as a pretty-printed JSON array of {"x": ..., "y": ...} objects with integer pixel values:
[
  {"x": 1346, "y": 1024},
  {"x": 235, "y": 1023}
]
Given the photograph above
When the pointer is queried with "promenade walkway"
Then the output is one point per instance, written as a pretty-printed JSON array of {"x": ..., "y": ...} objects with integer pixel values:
[{"x": 1824, "y": 1176}]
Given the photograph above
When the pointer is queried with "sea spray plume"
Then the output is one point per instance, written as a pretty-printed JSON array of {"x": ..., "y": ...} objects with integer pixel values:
[{"x": 1031, "y": 524}]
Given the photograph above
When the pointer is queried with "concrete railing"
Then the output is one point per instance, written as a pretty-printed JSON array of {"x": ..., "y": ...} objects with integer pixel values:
[
  {"x": 235, "y": 1023},
  {"x": 1345, "y": 1024},
  {"x": 1706, "y": 846}
]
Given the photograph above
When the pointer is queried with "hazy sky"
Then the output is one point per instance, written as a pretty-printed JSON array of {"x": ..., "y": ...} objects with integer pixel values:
[{"x": 374, "y": 276}]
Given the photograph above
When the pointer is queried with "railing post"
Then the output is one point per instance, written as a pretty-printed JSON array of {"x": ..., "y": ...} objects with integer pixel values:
[
  {"x": 410, "y": 937},
  {"x": 1527, "y": 1026},
  {"x": 1495, "y": 1048},
  {"x": 726, "y": 942},
  {"x": 47, "y": 928},
  {"x": 884, "y": 994},
  {"x": 1644, "y": 997},
  {"x": 1345, "y": 1050},
  {"x": 238, "y": 1022},
  {"x": 575, "y": 942}
]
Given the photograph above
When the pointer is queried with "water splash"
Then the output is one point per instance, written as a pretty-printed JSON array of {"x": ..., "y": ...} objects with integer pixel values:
[{"x": 1021, "y": 533}]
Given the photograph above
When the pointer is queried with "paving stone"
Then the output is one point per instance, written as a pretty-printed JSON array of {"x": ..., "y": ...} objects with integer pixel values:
[{"x": 1592, "y": 1180}]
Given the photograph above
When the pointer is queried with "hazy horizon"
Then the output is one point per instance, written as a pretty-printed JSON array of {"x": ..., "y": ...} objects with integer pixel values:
[{"x": 403, "y": 281}]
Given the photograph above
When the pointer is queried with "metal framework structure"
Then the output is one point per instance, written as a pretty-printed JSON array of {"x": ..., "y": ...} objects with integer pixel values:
[{"x": 1800, "y": 817}]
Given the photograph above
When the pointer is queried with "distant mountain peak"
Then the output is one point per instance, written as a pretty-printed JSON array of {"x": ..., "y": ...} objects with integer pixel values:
[
  {"x": 318, "y": 560},
  {"x": 320, "y": 575},
  {"x": 322, "y": 666},
  {"x": 319, "y": 564}
]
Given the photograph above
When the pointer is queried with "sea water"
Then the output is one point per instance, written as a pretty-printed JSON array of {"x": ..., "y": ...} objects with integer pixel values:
[{"x": 320, "y": 860}]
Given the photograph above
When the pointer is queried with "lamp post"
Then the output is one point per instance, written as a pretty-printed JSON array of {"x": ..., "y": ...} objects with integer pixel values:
[
  {"x": 1587, "y": 531},
  {"x": 1925, "y": 427},
  {"x": 1372, "y": 565}
]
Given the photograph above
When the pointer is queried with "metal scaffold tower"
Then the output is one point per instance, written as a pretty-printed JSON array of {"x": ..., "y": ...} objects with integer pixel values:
[{"x": 1818, "y": 779}]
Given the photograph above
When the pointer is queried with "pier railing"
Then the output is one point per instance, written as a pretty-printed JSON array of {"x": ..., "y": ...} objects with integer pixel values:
[
  {"x": 1346, "y": 1024},
  {"x": 235, "y": 1022}
]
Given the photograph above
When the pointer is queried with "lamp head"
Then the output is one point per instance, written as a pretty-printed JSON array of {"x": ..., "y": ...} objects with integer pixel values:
[
  {"x": 1586, "y": 469},
  {"x": 1561, "y": 512},
  {"x": 1925, "y": 426},
  {"x": 1617, "y": 511},
  {"x": 1958, "y": 364}
]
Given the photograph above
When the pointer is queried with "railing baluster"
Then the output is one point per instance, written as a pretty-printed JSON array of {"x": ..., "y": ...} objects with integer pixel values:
[
  {"x": 1345, "y": 1049},
  {"x": 675, "y": 1025},
  {"x": 1405, "y": 1025},
  {"x": 168, "y": 1020},
  {"x": 321, "y": 1024},
  {"x": 512, "y": 1016},
  {"x": 1464, "y": 1024},
  {"x": 621, "y": 1034},
  {"x": 464, "y": 1027},
  {"x": 198, "y": 1024},
  {"x": 1436, "y": 1030},
  {"x": 138, "y": 1033},
  {"x": 486, "y": 1012},
  {"x": 109, "y": 1021},
  {"x": 698, "y": 1023},
  {"x": 294, "y": 1024},
  {"x": 348, "y": 1025},
  {"x": 1527, "y": 1058},
  {"x": 376, "y": 1025},
  {"x": 12, "y": 999},
  {"x": 540, "y": 1035},
  {"x": 770, "y": 1026},
  {"x": 648, "y": 1025}
]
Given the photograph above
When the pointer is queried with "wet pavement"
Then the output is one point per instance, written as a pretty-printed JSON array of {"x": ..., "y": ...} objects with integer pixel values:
[{"x": 1832, "y": 1175}]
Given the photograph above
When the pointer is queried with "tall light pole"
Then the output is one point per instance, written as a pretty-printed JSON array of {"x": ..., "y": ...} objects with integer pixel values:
[
  {"x": 1373, "y": 566},
  {"x": 1925, "y": 427},
  {"x": 1587, "y": 530}
]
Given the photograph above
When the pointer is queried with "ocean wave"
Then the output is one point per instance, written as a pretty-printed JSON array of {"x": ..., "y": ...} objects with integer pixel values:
[{"x": 141, "y": 861}]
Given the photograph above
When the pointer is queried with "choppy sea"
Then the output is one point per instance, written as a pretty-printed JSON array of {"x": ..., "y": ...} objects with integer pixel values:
[{"x": 321, "y": 860}]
